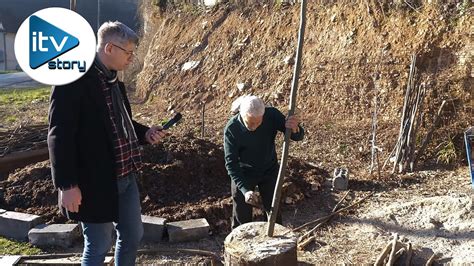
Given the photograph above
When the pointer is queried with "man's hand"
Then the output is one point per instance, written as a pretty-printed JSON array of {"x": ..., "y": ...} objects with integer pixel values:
[
  {"x": 155, "y": 134},
  {"x": 251, "y": 198},
  {"x": 292, "y": 123},
  {"x": 71, "y": 199}
]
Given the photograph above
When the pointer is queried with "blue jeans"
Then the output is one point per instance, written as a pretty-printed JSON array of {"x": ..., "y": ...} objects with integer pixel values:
[{"x": 129, "y": 229}]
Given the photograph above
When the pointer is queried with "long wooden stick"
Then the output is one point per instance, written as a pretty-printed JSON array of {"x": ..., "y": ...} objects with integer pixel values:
[
  {"x": 431, "y": 259},
  {"x": 340, "y": 201},
  {"x": 286, "y": 143},
  {"x": 322, "y": 218},
  {"x": 409, "y": 134},
  {"x": 407, "y": 110},
  {"x": 374, "y": 136},
  {"x": 303, "y": 244},
  {"x": 422, "y": 91},
  {"x": 406, "y": 103}
]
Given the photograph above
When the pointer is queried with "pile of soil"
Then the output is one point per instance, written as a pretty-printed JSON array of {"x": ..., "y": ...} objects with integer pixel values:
[
  {"x": 353, "y": 52},
  {"x": 182, "y": 178}
]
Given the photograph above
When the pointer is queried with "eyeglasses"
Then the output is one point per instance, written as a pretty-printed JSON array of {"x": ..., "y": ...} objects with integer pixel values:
[{"x": 129, "y": 53}]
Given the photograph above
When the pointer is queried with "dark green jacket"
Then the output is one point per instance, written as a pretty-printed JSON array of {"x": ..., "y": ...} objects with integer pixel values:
[{"x": 251, "y": 155}]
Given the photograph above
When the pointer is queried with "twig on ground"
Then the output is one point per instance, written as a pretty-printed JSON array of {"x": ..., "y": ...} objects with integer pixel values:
[
  {"x": 328, "y": 217},
  {"x": 303, "y": 244},
  {"x": 340, "y": 201},
  {"x": 391, "y": 259},
  {"x": 432, "y": 259}
]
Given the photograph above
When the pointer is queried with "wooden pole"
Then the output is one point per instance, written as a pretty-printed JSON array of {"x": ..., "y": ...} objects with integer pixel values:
[
  {"x": 286, "y": 143},
  {"x": 203, "y": 109},
  {"x": 374, "y": 137}
]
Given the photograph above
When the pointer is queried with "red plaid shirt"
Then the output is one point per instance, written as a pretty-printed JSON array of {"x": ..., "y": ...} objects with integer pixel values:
[{"x": 127, "y": 153}]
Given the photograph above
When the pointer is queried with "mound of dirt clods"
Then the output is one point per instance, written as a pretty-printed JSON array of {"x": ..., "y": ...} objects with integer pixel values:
[{"x": 182, "y": 178}]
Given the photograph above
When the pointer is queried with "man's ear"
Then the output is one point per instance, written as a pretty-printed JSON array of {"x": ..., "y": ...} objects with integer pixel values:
[{"x": 108, "y": 48}]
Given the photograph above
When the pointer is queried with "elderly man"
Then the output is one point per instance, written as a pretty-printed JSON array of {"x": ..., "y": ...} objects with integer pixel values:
[
  {"x": 94, "y": 151},
  {"x": 250, "y": 156}
]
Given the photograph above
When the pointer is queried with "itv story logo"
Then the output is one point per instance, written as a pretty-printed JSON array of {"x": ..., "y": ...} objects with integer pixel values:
[{"x": 55, "y": 46}]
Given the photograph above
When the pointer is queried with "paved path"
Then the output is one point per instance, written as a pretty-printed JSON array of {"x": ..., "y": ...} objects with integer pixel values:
[{"x": 17, "y": 80}]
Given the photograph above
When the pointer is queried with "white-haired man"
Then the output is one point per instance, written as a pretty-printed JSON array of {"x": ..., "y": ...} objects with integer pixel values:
[
  {"x": 94, "y": 151},
  {"x": 250, "y": 155}
]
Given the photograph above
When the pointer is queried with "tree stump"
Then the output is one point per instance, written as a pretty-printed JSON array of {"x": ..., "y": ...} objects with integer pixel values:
[{"x": 249, "y": 244}]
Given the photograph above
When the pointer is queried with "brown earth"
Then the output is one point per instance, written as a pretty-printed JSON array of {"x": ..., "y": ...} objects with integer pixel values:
[{"x": 181, "y": 179}]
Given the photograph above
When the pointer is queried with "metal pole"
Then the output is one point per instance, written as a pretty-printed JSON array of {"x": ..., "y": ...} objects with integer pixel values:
[
  {"x": 98, "y": 14},
  {"x": 286, "y": 143},
  {"x": 5, "y": 51},
  {"x": 72, "y": 5}
]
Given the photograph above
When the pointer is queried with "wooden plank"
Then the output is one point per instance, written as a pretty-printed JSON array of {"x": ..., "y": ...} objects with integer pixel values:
[
  {"x": 75, "y": 260},
  {"x": 21, "y": 159}
]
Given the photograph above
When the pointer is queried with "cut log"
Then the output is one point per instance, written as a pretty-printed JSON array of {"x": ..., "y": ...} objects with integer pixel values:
[
  {"x": 249, "y": 244},
  {"x": 21, "y": 159}
]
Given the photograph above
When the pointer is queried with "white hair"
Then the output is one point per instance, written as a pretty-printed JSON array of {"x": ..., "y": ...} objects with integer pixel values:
[
  {"x": 115, "y": 32},
  {"x": 252, "y": 106}
]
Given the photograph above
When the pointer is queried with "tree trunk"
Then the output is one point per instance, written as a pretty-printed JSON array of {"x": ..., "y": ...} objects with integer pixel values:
[{"x": 249, "y": 244}]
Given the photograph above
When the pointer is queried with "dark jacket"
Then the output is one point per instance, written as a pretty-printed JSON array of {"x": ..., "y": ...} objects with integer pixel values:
[
  {"x": 81, "y": 152},
  {"x": 251, "y": 155}
]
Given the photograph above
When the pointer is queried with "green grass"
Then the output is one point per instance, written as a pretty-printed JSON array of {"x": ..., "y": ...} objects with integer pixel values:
[
  {"x": 8, "y": 71},
  {"x": 11, "y": 119},
  {"x": 447, "y": 153},
  {"x": 10, "y": 247},
  {"x": 24, "y": 96}
]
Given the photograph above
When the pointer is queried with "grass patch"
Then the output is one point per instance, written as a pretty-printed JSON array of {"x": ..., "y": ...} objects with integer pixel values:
[
  {"x": 10, "y": 247},
  {"x": 11, "y": 119},
  {"x": 24, "y": 96},
  {"x": 8, "y": 71}
]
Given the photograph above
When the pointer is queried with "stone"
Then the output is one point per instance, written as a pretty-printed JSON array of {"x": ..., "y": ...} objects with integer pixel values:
[
  {"x": 16, "y": 225},
  {"x": 188, "y": 230},
  {"x": 190, "y": 65},
  {"x": 153, "y": 228},
  {"x": 289, "y": 60},
  {"x": 241, "y": 86},
  {"x": 341, "y": 179},
  {"x": 9, "y": 260},
  {"x": 60, "y": 235}
]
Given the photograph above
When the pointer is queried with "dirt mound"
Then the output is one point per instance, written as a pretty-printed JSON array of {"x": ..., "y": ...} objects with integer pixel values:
[
  {"x": 31, "y": 190},
  {"x": 185, "y": 178},
  {"x": 182, "y": 178},
  {"x": 353, "y": 52}
]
